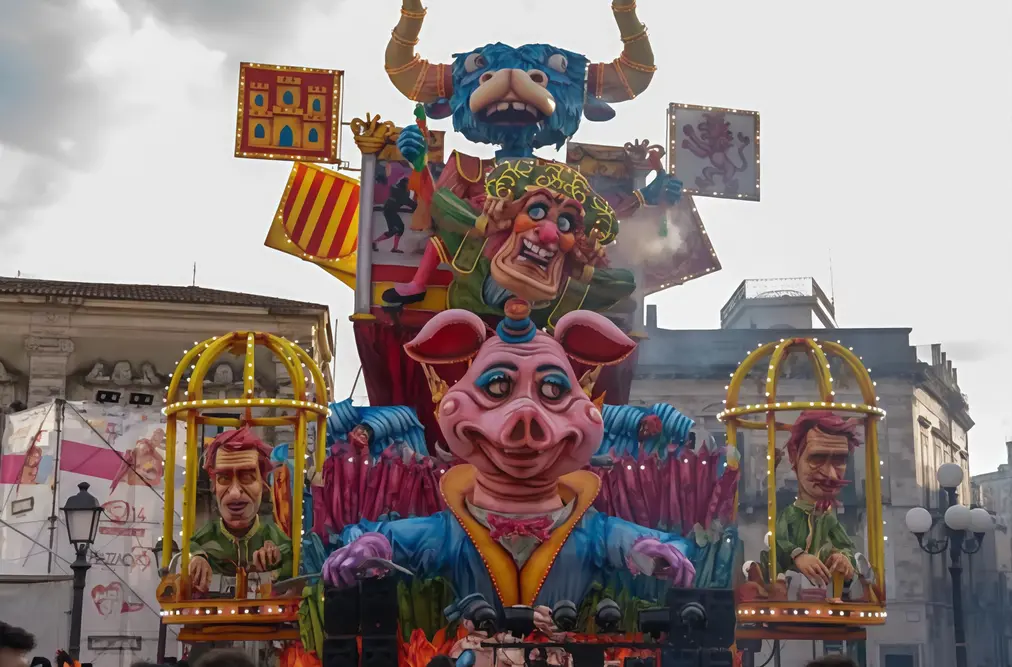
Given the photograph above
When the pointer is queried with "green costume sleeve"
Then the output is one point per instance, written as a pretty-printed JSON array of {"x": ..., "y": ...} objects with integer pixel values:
[
  {"x": 219, "y": 551},
  {"x": 792, "y": 528},
  {"x": 452, "y": 213},
  {"x": 839, "y": 539},
  {"x": 284, "y": 544}
]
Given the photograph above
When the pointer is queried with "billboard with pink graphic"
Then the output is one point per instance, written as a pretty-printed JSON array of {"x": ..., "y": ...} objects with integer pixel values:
[{"x": 120, "y": 453}]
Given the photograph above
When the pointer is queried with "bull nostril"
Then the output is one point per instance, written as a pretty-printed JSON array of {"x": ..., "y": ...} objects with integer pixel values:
[
  {"x": 538, "y": 77},
  {"x": 487, "y": 76},
  {"x": 519, "y": 433}
]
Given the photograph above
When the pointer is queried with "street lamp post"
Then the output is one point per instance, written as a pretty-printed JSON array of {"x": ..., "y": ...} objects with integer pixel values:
[
  {"x": 81, "y": 513},
  {"x": 958, "y": 519},
  {"x": 157, "y": 552}
]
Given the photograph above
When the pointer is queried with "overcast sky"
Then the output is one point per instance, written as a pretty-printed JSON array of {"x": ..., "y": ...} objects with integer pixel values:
[{"x": 886, "y": 138}]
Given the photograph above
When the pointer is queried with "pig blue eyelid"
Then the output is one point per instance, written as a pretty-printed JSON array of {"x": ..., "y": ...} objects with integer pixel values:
[
  {"x": 558, "y": 379},
  {"x": 491, "y": 375}
]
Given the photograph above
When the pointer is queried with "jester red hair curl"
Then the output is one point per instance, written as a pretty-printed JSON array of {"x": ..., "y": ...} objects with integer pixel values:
[
  {"x": 827, "y": 422},
  {"x": 239, "y": 440}
]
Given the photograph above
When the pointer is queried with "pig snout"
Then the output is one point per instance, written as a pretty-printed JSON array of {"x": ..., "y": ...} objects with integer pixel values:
[{"x": 527, "y": 426}]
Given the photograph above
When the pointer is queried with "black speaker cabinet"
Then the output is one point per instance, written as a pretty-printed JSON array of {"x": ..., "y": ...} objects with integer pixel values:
[
  {"x": 379, "y": 651},
  {"x": 341, "y": 611},
  {"x": 379, "y": 607},
  {"x": 340, "y": 652}
]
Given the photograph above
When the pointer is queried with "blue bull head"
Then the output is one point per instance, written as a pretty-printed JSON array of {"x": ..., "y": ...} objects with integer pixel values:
[{"x": 520, "y": 98}]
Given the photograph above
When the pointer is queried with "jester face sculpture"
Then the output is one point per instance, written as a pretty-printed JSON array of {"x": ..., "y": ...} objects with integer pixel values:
[
  {"x": 532, "y": 256},
  {"x": 519, "y": 415},
  {"x": 520, "y": 98}
]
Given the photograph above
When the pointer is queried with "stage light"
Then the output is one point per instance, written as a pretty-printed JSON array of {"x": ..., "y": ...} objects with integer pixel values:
[
  {"x": 655, "y": 622},
  {"x": 607, "y": 616},
  {"x": 518, "y": 620},
  {"x": 565, "y": 615}
]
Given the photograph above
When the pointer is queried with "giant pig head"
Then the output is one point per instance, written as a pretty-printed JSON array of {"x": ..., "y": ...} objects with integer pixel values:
[
  {"x": 519, "y": 414},
  {"x": 520, "y": 98}
]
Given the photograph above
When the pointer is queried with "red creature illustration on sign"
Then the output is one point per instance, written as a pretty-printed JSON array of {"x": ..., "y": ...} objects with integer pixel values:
[{"x": 713, "y": 142}]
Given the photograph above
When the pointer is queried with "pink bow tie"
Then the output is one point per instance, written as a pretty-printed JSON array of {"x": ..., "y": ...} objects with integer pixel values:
[{"x": 504, "y": 527}]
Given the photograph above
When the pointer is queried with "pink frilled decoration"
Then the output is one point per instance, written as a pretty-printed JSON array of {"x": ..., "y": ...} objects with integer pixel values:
[
  {"x": 675, "y": 494},
  {"x": 357, "y": 486}
]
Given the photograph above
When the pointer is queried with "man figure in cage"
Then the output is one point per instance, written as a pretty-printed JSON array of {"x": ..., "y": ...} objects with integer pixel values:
[
  {"x": 238, "y": 463},
  {"x": 398, "y": 200}
]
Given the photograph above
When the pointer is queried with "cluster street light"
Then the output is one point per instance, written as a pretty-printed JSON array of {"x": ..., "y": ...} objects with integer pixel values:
[
  {"x": 958, "y": 520},
  {"x": 81, "y": 514}
]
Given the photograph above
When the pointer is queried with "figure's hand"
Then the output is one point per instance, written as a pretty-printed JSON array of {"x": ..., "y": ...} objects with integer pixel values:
[
  {"x": 840, "y": 564},
  {"x": 200, "y": 574},
  {"x": 500, "y": 213},
  {"x": 812, "y": 567},
  {"x": 653, "y": 557},
  {"x": 266, "y": 558},
  {"x": 664, "y": 190},
  {"x": 412, "y": 143},
  {"x": 341, "y": 566}
]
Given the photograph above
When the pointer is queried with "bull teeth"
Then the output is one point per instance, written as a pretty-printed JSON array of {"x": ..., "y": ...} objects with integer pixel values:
[
  {"x": 503, "y": 106},
  {"x": 533, "y": 110},
  {"x": 519, "y": 106}
]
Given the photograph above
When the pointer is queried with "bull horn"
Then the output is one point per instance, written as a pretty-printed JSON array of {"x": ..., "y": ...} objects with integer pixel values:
[
  {"x": 417, "y": 79},
  {"x": 629, "y": 75}
]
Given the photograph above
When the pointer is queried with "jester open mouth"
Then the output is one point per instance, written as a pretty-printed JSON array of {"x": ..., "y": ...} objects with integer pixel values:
[
  {"x": 512, "y": 113},
  {"x": 532, "y": 252}
]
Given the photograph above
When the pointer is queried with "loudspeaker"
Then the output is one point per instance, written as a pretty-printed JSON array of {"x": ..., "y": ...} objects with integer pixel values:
[
  {"x": 379, "y": 607},
  {"x": 341, "y": 611},
  {"x": 379, "y": 651},
  {"x": 340, "y": 652}
]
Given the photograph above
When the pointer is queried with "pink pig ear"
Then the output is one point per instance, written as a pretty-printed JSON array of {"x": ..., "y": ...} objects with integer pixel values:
[
  {"x": 592, "y": 339},
  {"x": 449, "y": 337}
]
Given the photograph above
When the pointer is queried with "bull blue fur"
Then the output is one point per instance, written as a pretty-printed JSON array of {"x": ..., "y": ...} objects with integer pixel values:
[{"x": 568, "y": 89}]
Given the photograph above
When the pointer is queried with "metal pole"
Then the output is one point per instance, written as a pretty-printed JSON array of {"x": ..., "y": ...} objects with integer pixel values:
[
  {"x": 956, "y": 573},
  {"x": 161, "y": 642},
  {"x": 363, "y": 266},
  {"x": 80, "y": 566}
]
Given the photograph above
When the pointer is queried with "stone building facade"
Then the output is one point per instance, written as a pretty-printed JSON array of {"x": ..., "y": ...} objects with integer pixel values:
[
  {"x": 690, "y": 369},
  {"x": 989, "y": 603},
  {"x": 119, "y": 344}
]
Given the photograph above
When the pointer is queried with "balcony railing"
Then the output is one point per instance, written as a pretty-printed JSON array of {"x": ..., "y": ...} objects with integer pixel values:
[{"x": 777, "y": 287}]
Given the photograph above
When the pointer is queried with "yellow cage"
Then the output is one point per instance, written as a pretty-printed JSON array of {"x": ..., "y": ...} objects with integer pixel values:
[
  {"x": 787, "y": 619},
  {"x": 239, "y": 618}
]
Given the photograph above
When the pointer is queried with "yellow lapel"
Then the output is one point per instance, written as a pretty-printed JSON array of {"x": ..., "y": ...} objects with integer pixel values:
[{"x": 515, "y": 587}]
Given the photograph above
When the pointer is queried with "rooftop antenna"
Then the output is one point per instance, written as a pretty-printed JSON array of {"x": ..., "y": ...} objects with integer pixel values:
[
  {"x": 832, "y": 284},
  {"x": 194, "y": 283}
]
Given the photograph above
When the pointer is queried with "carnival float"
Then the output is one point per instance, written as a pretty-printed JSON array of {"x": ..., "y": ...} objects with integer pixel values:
[{"x": 499, "y": 499}]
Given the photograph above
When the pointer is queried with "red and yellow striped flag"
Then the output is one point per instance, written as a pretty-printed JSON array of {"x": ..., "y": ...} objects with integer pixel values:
[{"x": 319, "y": 213}]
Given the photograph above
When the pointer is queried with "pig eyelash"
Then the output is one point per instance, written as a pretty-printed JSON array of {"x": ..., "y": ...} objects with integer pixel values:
[
  {"x": 554, "y": 387},
  {"x": 495, "y": 383}
]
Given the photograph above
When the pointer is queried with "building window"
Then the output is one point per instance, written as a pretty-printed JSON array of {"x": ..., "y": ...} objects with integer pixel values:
[
  {"x": 939, "y": 460},
  {"x": 926, "y": 476},
  {"x": 288, "y": 98},
  {"x": 314, "y": 136},
  {"x": 259, "y": 132},
  {"x": 317, "y": 105},
  {"x": 286, "y": 137}
]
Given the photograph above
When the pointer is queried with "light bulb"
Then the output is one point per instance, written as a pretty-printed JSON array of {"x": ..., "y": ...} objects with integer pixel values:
[
  {"x": 919, "y": 520},
  {"x": 957, "y": 517}
]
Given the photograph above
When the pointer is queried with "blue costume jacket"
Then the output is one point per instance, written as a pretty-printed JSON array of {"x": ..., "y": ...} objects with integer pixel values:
[{"x": 584, "y": 550}]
